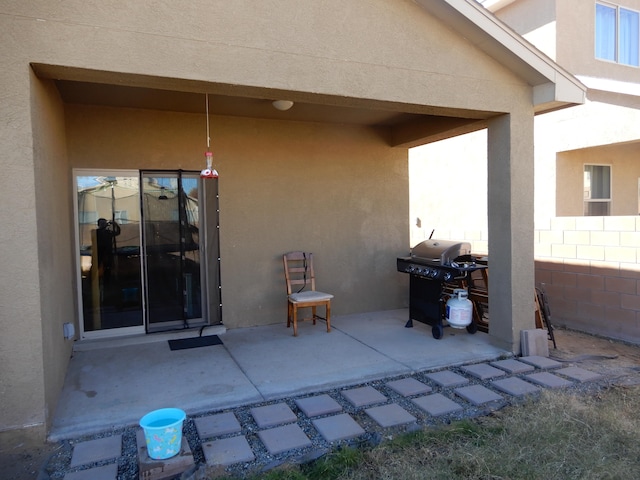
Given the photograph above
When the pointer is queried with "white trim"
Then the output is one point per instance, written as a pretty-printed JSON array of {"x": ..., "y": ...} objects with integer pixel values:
[{"x": 608, "y": 85}]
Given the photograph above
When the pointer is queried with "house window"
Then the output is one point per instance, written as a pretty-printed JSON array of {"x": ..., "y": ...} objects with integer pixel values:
[
  {"x": 617, "y": 34},
  {"x": 597, "y": 190}
]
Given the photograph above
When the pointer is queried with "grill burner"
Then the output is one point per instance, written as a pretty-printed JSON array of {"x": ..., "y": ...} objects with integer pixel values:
[{"x": 433, "y": 263}]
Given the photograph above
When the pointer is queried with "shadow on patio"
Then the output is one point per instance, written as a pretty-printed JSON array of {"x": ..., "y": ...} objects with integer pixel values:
[{"x": 114, "y": 386}]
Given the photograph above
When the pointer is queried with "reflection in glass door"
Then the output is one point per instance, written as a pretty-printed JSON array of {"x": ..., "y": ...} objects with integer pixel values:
[
  {"x": 171, "y": 239},
  {"x": 108, "y": 236}
]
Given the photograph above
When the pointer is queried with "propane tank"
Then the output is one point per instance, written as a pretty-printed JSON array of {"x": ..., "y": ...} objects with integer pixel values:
[{"x": 459, "y": 309}]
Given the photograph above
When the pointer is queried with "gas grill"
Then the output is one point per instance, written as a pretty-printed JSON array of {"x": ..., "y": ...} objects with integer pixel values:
[{"x": 431, "y": 265}]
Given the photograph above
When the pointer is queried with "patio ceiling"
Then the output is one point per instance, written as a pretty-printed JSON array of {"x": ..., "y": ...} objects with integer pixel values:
[{"x": 402, "y": 125}]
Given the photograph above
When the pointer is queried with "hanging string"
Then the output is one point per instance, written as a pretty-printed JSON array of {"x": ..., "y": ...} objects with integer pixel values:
[{"x": 208, "y": 131}]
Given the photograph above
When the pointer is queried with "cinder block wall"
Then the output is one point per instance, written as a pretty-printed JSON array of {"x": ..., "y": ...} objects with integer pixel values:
[{"x": 590, "y": 268}]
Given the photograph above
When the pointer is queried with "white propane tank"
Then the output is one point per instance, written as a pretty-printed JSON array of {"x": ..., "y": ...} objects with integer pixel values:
[{"x": 459, "y": 309}]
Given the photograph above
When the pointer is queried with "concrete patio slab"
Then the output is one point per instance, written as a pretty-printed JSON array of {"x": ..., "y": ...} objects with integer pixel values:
[
  {"x": 112, "y": 383},
  {"x": 116, "y": 386},
  {"x": 338, "y": 427}
]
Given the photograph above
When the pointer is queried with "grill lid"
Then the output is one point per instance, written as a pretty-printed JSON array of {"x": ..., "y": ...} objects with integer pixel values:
[{"x": 442, "y": 252}]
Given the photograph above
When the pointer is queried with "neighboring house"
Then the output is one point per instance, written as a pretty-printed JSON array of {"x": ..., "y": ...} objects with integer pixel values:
[
  {"x": 587, "y": 167},
  {"x": 103, "y": 108}
]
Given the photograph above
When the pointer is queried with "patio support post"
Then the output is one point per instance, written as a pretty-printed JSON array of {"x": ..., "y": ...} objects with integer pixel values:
[{"x": 510, "y": 225}]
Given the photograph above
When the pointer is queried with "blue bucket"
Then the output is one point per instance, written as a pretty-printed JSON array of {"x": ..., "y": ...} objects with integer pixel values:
[{"x": 163, "y": 432}]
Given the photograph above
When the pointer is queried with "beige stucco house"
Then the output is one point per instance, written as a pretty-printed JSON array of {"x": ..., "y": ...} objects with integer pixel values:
[
  {"x": 587, "y": 167},
  {"x": 103, "y": 108}
]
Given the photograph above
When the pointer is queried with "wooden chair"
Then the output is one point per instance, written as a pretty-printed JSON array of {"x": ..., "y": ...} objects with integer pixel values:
[{"x": 301, "y": 289}]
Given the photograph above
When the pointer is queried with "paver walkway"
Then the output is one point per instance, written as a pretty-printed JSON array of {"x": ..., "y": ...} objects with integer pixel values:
[{"x": 305, "y": 427}]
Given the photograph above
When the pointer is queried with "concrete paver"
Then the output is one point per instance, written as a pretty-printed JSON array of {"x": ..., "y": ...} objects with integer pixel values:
[
  {"x": 96, "y": 450},
  {"x": 271, "y": 415},
  {"x": 437, "y": 404},
  {"x": 579, "y": 374},
  {"x": 338, "y": 427},
  {"x": 515, "y": 386},
  {"x": 363, "y": 396},
  {"x": 513, "y": 366},
  {"x": 483, "y": 371},
  {"x": 548, "y": 380},
  {"x": 281, "y": 439},
  {"x": 227, "y": 451},
  {"x": 391, "y": 415},
  {"x": 318, "y": 405},
  {"x": 541, "y": 362},
  {"x": 408, "y": 387},
  {"x": 447, "y": 378},
  {"x": 105, "y": 472},
  {"x": 478, "y": 395},
  {"x": 217, "y": 425}
]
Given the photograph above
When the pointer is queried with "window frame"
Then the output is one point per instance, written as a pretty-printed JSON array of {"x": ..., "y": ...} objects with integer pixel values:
[
  {"x": 617, "y": 35},
  {"x": 608, "y": 201}
]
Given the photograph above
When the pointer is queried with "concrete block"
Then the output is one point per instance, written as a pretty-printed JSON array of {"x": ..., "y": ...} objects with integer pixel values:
[
  {"x": 512, "y": 366},
  {"x": 534, "y": 342},
  {"x": 515, "y": 386},
  {"x": 548, "y": 380},
  {"x": 541, "y": 362},
  {"x": 579, "y": 374},
  {"x": 152, "y": 469}
]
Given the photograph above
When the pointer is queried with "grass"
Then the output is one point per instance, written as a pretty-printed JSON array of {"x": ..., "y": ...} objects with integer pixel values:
[{"x": 560, "y": 435}]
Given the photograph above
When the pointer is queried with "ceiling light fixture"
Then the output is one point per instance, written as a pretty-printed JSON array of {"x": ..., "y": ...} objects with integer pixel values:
[
  {"x": 208, "y": 172},
  {"x": 282, "y": 105}
]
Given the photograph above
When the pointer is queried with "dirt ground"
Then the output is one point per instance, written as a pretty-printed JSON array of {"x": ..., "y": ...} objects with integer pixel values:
[{"x": 22, "y": 456}]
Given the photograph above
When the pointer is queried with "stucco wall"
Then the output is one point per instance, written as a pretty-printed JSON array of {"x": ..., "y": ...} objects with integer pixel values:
[{"x": 337, "y": 191}]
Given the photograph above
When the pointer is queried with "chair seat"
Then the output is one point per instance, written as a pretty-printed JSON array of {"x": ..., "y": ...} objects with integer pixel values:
[{"x": 310, "y": 296}]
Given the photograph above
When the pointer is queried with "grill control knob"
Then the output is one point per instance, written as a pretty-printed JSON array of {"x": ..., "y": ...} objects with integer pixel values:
[
  {"x": 447, "y": 276},
  {"x": 433, "y": 273}
]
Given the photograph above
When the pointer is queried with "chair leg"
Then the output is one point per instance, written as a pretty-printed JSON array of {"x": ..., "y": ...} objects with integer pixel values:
[
  {"x": 328, "y": 310},
  {"x": 288, "y": 314},
  {"x": 313, "y": 314},
  {"x": 295, "y": 321}
]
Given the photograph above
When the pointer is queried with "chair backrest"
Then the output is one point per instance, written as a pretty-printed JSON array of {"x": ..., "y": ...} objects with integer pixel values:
[{"x": 298, "y": 272}]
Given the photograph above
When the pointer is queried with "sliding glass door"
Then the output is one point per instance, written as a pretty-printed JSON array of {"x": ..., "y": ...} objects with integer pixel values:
[
  {"x": 171, "y": 234},
  {"x": 139, "y": 251}
]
